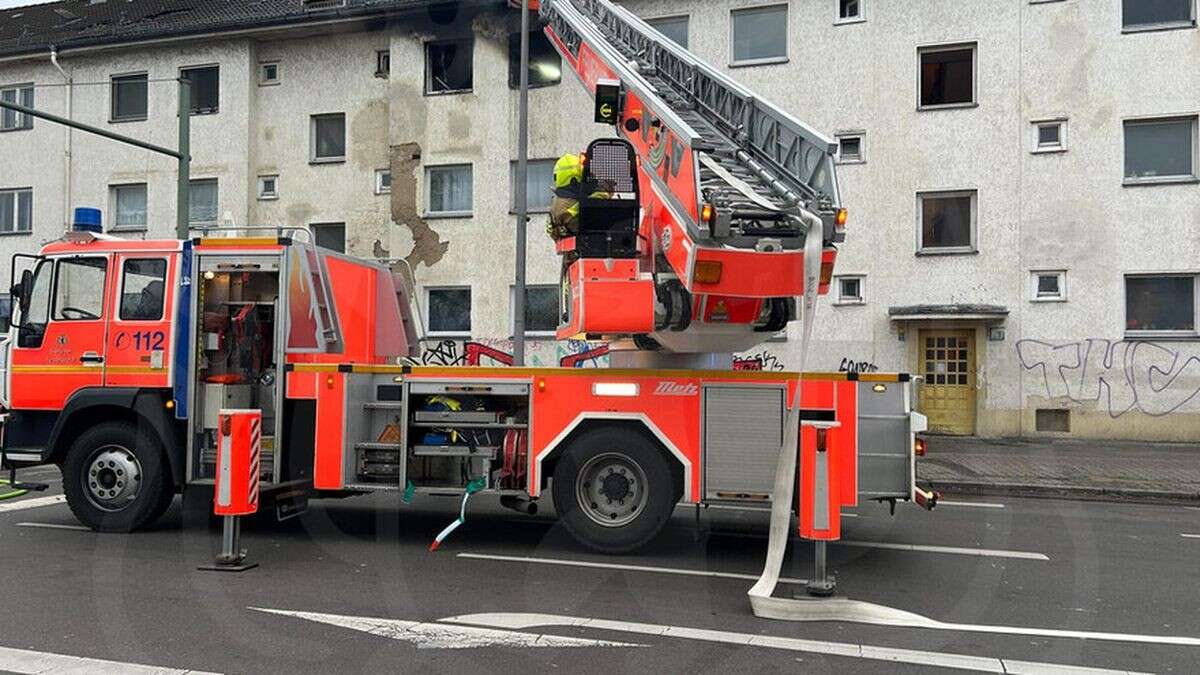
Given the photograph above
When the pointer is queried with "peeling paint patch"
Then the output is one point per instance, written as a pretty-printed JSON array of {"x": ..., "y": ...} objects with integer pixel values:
[{"x": 428, "y": 247}]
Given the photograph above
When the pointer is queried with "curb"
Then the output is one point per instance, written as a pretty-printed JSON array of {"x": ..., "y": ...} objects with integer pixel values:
[{"x": 1082, "y": 492}]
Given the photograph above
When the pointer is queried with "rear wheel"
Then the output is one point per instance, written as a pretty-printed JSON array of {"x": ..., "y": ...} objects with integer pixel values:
[
  {"x": 115, "y": 479},
  {"x": 613, "y": 490}
]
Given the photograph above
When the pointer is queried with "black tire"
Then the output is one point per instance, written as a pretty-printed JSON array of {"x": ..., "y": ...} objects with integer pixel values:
[
  {"x": 137, "y": 475},
  {"x": 638, "y": 470}
]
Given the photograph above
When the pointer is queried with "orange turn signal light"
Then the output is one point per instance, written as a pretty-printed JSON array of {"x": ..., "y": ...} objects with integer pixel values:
[
  {"x": 706, "y": 214},
  {"x": 707, "y": 272},
  {"x": 919, "y": 447},
  {"x": 842, "y": 216},
  {"x": 826, "y": 273}
]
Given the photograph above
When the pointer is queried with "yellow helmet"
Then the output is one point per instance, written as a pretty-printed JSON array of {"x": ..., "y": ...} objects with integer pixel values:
[{"x": 568, "y": 169}]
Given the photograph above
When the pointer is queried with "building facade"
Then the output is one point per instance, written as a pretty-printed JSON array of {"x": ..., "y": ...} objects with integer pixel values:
[{"x": 1021, "y": 175}]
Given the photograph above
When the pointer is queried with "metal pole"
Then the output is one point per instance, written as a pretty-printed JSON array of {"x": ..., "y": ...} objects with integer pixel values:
[
  {"x": 91, "y": 129},
  {"x": 521, "y": 192},
  {"x": 184, "y": 175}
]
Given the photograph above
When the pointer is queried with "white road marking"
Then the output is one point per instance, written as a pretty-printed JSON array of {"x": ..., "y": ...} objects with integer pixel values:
[
  {"x": 521, "y": 621},
  {"x": 426, "y": 635},
  {"x": 22, "y": 504},
  {"x": 619, "y": 566},
  {"x": 954, "y": 550},
  {"x": 1190, "y": 536},
  {"x": 56, "y": 526},
  {"x": 46, "y": 663},
  {"x": 978, "y": 505}
]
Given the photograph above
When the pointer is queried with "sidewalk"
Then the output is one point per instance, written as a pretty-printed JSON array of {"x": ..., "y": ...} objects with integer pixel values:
[{"x": 1112, "y": 470}]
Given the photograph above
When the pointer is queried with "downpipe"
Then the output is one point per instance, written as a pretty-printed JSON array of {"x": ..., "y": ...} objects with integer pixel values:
[{"x": 69, "y": 149}]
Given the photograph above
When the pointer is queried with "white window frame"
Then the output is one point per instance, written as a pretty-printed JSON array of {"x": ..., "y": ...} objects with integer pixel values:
[
  {"x": 380, "y": 188},
  {"x": 858, "y": 18},
  {"x": 112, "y": 98},
  {"x": 263, "y": 80},
  {"x": 1036, "y": 275},
  {"x": 512, "y": 313},
  {"x": 15, "y": 192},
  {"x": 23, "y": 122},
  {"x": 429, "y": 212},
  {"x": 862, "y": 144},
  {"x": 312, "y": 139},
  {"x": 770, "y": 60},
  {"x": 203, "y": 66},
  {"x": 217, "y": 210},
  {"x": 973, "y": 247},
  {"x": 1162, "y": 334},
  {"x": 429, "y": 305},
  {"x": 1163, "y": 25},
  {"x": 112, "y": 217},
  {"x": 951, "y": 47},
  {"x": 263, "y": 195},
  {"x": 1037, "y": 126},
  {"x": 1163, "y": 180},
  {"x": 512, "y": 185},
  {"x": 860, "y": 299}
]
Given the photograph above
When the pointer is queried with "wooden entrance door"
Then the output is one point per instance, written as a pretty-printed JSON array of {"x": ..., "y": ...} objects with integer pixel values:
[{"x": 947, "y": 392}]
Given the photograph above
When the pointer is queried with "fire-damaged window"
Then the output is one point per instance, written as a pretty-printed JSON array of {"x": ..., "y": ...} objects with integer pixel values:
[
  {"x": 545, "y": 65},
  {"x": 946, "y": 222},
  {"x": 1160, "y": 305},
  {"x": 541, "y": 310},
  {"x": 206, "y": 88},
  {"x": 448, "y": 66},
  {"x": 143, "y": 282},
  {"x": 448, "y": 311},
  {"x": 79, "y": 289}
]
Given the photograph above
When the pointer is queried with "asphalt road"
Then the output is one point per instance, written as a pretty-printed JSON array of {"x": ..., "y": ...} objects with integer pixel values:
[{"x": 352, "y": 587}]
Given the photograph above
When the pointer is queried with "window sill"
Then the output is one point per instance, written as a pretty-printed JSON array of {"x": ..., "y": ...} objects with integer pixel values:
[
  {"x": 532, "y": 86},
  {"x": 851, "y": 161},
  {"x": 949, "y": 250},
  {"x": 530, "y": 211},
  {"x": 1054, "y": 299},
  {"x": 850, "y": 21},
  {"x": 124, "y": 120},
  {"x": 16, "y": 233},
  {"x": 203, "y": 113},
  {"x": 1157, "y": 27},
  {"x": 4, "y": 130},
  {"x": 268, "y": 198},
  {"x": 448, "y": 336},
  {"x": 269, "y": 84},
  {"x": 849, "y": 303},
  {"x": 1048, "y": 151},
  {"x": 445, "y": 215},
  {"x": 127, "y": 229},
  {"x": 1164, "y": 180},
  {"x": 382, "y": 193},
  {"x": 947, "y": 106},
  {"x": 327, "y": 160},
  {"x": 1155, "y": 336},
  {"x": 450, "y": 92},
  {"x": 749, "y": 63}
]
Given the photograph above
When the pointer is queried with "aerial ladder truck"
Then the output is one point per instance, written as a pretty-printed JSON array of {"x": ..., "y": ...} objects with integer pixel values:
[{"x": 718, "y": 212}]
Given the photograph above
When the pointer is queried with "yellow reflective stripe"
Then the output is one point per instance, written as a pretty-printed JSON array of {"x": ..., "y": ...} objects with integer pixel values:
[
  {"x": 468, "y": 371},
  {"x": 239, "y": 241},
  {"x": 115, "y": 370}
]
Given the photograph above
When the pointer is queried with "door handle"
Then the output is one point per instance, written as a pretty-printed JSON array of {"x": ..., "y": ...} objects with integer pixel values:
[{"x": 91, "y": 358}]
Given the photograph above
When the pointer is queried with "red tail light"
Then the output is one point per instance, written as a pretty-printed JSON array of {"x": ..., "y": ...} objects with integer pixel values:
[{"x": 919, "y": 447}]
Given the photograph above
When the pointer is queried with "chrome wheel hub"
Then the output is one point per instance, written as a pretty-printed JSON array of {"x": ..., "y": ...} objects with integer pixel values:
[
  {"x": 611, "y": 489},
  {"x": 114, "y": 478}
]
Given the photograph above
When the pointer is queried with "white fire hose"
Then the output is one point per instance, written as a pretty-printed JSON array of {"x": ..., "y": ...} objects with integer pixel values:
[{"x": 761, "y": 593}]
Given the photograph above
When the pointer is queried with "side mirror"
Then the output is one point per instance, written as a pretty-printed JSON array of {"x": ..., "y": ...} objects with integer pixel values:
[{"x": 21, "y": 291}]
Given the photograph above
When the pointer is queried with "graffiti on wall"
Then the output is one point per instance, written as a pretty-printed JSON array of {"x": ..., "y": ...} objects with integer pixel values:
[
  {"x": 763, "y": 360},
  {"x": 492, "y": 353},
  {"x": 1119, "y": 375},
  {"x": 850, "y": 366}
]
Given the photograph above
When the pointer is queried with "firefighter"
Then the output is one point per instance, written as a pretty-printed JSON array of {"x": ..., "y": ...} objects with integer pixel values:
[{"x": 568, "y": 189}]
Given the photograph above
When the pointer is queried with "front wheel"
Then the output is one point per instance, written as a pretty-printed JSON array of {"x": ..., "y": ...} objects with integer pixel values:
[
  {"x": 115, "y": 478},
  {"x": 613, "y": 490}
]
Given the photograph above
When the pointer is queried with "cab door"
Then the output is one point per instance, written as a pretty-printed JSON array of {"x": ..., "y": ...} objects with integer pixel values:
[
  {"x": 139, "y": 330},
  {"x": 60, "y": 343}
]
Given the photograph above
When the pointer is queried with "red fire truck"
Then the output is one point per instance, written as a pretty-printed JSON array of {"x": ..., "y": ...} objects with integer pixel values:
[{"x": 719, "y": 210}]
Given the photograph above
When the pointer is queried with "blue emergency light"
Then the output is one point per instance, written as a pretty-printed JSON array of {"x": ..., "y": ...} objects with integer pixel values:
[{"x": 87, "y": 220}]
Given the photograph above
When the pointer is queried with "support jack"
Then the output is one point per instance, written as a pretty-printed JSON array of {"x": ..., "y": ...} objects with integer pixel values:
[
  {"x": 821, "y": 585},
  {"x": 232, "y": 557}
]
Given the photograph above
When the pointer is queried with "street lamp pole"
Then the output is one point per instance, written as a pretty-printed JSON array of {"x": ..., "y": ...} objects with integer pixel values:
[{"x": 521, "y": 192}]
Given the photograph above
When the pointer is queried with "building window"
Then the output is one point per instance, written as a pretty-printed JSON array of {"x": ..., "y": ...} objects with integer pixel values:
[
  {"x": 383, "y": 181},
  {"x": 850, "y": 148},
  {"x": 142, "y": 284},
  {"x": 946, "y": 221},
  {"x": 1138, "y": 15},
  {"x": 202, "y": 209},
  {"x": 1162, "y": 304},
  {"x": 11, "y": 120},
  {"x": 541, "y": 310},
  {"x": 448, "y": 311},
  {"x": 1048, "y": 286},
  {"x": 79, "y": 289},
  {"x": 1160, "y": 150},
  {"x": 545, "y": 65},
  {"x": 850, "y": 11},
  {"x": 675, "y": 28},
  {"x": 539, "y": 185},
  {"x": 383, "y": 63},
  {"x": 448, "y": 66},
  {"x": 850, "y": 290},
  {"x": 268, "y": 187},
  {"x": 947, "y": 76},
  {"x": 128, "y": 206},
  {"x": 759, "y": 35},
  {"x": 129, "y": 98},
  {"x": 330, "y": 235},
  {"x": 328, "y": 142},
  {"x": 6, "y": 309},
  {"x": 1050, "y": 135},
  {"x": 449, "y": 190},
  {"x": 16, "y": 211},
  {"x": 206, "y": 88},
  {"x": 268, "y": 74}
]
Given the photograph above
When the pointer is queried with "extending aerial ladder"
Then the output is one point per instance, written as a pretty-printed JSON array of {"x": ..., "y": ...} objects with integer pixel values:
[{"x": 730, "y": 185}]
